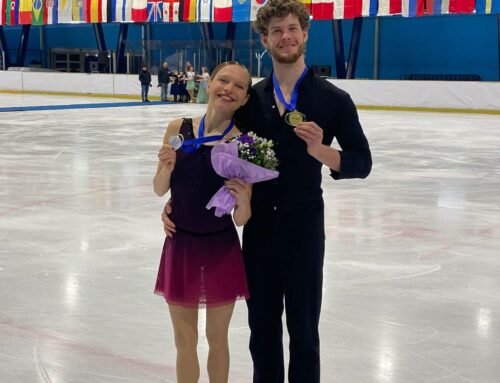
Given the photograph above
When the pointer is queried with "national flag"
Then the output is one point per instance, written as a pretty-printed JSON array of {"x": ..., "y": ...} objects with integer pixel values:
[
  {"x": 25, "y": 11},
  {"x": 155, "y": 10},
  {"x": 187, "y": 10},
  {"x": 347, "y": 9},
  {"x": 38, "y": 16},
  {"x": 487, "y": 6},
  {"x": 322, "y": 9},
  {"x": 389, "y": 7},
  {"x": 3, "y": 6},
  {"x": 170, "y": 11},
  {"x": 205, "y": 11},
  {"x": 223, "y": 10},
  {"x": 12, "y": 12},
  {"x": 121, "y": 10},
  {"x": 139, "y": 10},
  {"x": 64, "y": 11},
  {"x": 50, "y": 12},
  {"x": 437, "y": 7},
  {"x": 241, "y": 10},
  {"x": 412, "y": 8},
  {"x": 78, "y": 7},
  {"x": 462, "y": 6},
  {"x": 93, "y": 11},
  {"x": 369, "y": 8},
  {"x": 255, "y": 6}
]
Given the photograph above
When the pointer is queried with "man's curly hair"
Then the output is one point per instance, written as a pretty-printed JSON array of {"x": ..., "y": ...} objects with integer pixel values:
[{"x": 279, "y": 9}]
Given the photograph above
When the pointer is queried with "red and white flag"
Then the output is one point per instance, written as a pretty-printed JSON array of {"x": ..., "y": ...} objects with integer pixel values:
[
  {"x": 322, "y": 9},
  {"x": 223, "y": 10},
  {"x": 139, "y": 10},
  {"x": 170, "y": 11}
]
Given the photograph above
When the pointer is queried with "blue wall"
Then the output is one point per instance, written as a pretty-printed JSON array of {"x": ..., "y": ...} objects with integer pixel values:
[{"x": 451, "y": 44}]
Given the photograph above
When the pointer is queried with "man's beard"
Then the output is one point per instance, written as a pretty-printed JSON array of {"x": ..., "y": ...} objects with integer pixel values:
[{"x": 288, "y": 59}]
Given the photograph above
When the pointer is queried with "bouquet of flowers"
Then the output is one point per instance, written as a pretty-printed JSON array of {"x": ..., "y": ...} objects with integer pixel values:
[{"x": 248, "y": 157}]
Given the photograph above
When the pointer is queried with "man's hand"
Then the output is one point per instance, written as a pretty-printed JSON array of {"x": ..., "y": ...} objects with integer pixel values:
[
  {"x": 312, "y": 134},
  {"x": 168, "y": 225}
]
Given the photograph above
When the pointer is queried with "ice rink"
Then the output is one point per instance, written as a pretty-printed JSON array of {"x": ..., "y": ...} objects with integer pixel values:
[{"x": 412, "y": 269}]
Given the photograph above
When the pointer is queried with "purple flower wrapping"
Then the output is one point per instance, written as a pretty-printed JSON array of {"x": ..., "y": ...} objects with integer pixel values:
[{"x": 227, "y": 164}]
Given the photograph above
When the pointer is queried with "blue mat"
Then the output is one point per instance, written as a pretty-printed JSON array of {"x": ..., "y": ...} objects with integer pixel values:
[{"x": 79, "y": 106}]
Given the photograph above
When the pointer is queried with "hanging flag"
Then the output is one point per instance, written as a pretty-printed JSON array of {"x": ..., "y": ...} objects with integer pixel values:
[
  {"x": 462, "y": 6},
  {"x": 205, "y": 11},
  {"x": 12, "y": 12},
  {"x": 38, "y": 16},
  {"x": 389, "y": 7},
  {"x": 171, "y": 11},
  {"x": 223, "y": 10},
  {"x": 78, "y": 7},
  {"x": 155, "y": 11},
  {"x": 241, "y": 10},
  {"x": 322, "y": 9},
  {"x": 50, "y": 12},
  {"x": 93, "y": 11},
  {"x": 64, "y": 11},
  {"x": 187, "y": 10},
  {"x": 486, "y": 7},
  {"x": 412, "y": 8},
  {"x": 139, "y": 10},
  {"x": 255, "y": 6},
  {"x": 347, "y": 9},
  {"x": 3, "y": 6},
  {"x": 121, "y": 10},
  {"x": 369, "y": 8},
  {"x": 437, "y": 7},
  {"x": 25, "y": 11}
]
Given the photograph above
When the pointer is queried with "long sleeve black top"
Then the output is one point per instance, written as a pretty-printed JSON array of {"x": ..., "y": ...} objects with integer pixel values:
[{"x": 299, "y": 182}]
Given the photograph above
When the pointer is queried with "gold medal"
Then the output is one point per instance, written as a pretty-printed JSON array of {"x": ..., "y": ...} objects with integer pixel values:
[{"x": 294, "y": 118}]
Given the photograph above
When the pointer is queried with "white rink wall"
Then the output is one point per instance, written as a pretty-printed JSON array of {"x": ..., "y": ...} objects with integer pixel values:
[{"x": 470, "y": 96}]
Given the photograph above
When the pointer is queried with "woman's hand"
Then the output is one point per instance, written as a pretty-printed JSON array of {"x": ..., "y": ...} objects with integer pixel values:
[
  {"x": 167, "y": 157},
  {"x": 240, "y": 190}
]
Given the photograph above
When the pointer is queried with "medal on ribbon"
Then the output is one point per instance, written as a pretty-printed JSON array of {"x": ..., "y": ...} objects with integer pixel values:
[
  {"x": 189, "y": 146},
  {"x": 292, "y": 117}
]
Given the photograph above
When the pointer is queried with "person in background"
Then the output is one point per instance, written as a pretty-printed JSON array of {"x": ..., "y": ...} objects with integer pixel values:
[
  {"x": 202, "y": 96},
  {"x": 163, "y": 81},
  {"x": 145, "y": 79},
  {"x": 190, "y": 82}
]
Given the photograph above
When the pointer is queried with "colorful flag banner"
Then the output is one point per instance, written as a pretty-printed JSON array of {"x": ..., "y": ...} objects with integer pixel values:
[
  {"x": 37, "y": 16},
  {"x": 462, "y": 6},
  {"x": 346, "y": 9},
  {"x": 25, "y": 11},
  {"x": 223, "y": 10},
  {"x": 205, "y": 11},
  {"x": 241, "y": 10},
  {"x": 322, "y": 9},
  {"x": 255, "y": 6},
  {"x": 121, "y": 10},
  {"x": 64, "y": 11},
  {"x": 389, "y": 7},
  {"x": 369, "y": 8},
  {"x": 139, "y": 10},
  {"x": 413, "y": 8},
  {"x": 3, "y": 6},
  {"x": 12, "y": 12},
  {"x": 171, "y": 11},
  {"x": 155, "y": 11},
  {"x": 50, "y": 12},
  {"x": 77, "y": 8},
  {"x": 486, "y": 7}
]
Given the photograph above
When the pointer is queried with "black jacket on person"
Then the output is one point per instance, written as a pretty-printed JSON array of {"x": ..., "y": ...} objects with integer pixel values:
[
  {"x": 164, "y": 76},
  {"x": 145, "y": 77}
]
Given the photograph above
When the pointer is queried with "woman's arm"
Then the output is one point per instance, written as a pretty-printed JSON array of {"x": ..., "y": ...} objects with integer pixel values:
[{"x": 167, "y": 157}]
